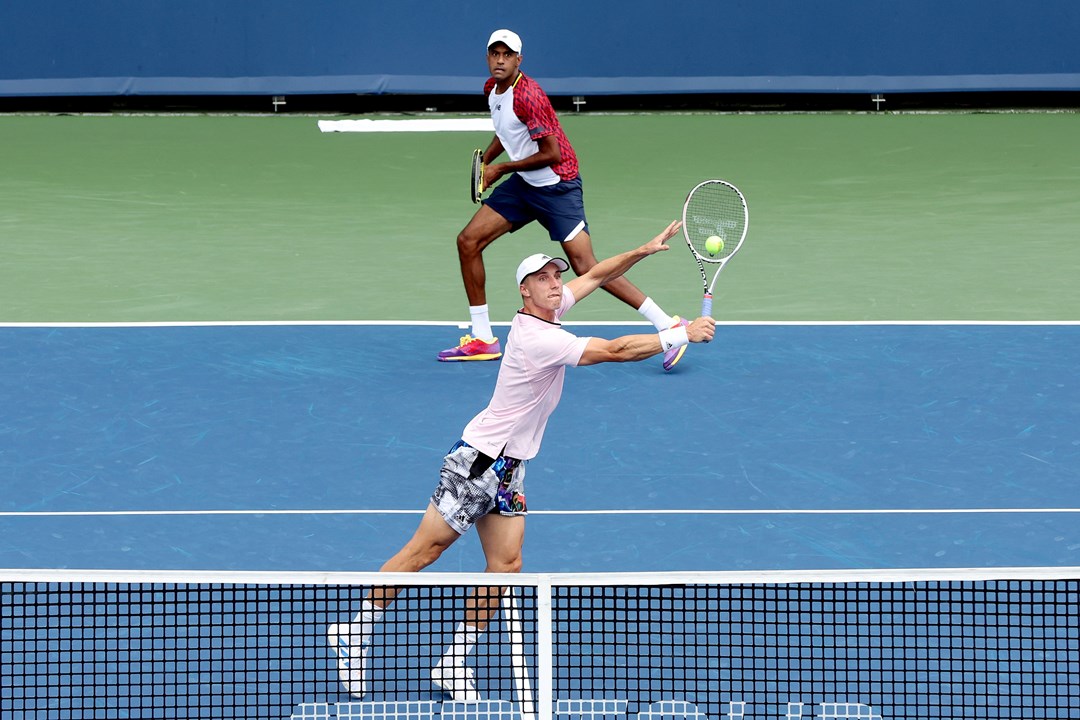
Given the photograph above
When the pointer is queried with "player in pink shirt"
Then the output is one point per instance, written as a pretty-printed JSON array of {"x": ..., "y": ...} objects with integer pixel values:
[
  {"x": 482, "y": 481},
  {"x": 544, "y": 185}
]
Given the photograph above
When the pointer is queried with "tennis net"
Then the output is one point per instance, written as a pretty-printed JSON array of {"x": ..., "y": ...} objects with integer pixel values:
[{"x": 986, "y": 643}]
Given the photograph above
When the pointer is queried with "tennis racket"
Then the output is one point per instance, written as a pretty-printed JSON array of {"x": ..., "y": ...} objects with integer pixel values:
[
  {"x": 714, "y": 222},
  {"x": 476, "y": 181}
]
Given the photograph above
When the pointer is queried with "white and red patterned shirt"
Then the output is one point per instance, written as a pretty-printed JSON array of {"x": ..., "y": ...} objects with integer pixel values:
[
  {"x": 522, "y": 116},
  {"x": 529, "y": 386}
]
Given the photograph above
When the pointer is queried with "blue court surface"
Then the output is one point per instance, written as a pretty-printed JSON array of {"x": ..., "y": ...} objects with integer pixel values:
[{"x": 315, "y": 447}]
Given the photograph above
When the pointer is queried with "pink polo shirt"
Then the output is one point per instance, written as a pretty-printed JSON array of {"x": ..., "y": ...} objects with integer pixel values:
[{"x": 529, "y": 385}]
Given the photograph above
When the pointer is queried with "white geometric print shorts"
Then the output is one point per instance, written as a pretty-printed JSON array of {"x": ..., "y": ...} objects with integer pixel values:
[{"x": 471, "y": 485}]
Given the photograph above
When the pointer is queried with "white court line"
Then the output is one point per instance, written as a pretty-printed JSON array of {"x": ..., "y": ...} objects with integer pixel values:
[
  {"x": 854, "y": 511},
  {"x": 478, "y": 124}
]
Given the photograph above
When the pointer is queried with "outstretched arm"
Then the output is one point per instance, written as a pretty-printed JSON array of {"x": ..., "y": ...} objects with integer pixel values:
[
  {"x": 614, "y": 267},
  {"x": 629, "y": 348}
]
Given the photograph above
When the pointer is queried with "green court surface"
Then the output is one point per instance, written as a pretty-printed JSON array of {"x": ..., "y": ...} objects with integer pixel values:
[{"x": 872, "y": 217}]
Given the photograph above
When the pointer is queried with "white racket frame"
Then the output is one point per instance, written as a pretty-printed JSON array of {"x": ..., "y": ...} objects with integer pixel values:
[{"x": 706, "y": 303}]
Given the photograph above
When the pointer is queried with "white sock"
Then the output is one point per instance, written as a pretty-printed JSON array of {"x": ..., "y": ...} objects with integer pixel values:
[
  {"x": 481, "y": 323},
  {"x": 655, "y": 315},
  {"x": 465, "y": 637},
  {"x": 362, "y": 626}
]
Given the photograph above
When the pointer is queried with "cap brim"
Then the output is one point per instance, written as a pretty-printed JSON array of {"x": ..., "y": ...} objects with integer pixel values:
[{"x": 559, "y": 263}]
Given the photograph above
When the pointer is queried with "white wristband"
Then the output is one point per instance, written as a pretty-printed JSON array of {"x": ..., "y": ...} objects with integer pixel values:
[{"x": 673, "y": 338}]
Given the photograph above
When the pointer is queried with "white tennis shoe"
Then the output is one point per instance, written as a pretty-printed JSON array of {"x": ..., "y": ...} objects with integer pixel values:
[
  {"x": 456, "y": 680},
  {"x": 352, "y": 660}
]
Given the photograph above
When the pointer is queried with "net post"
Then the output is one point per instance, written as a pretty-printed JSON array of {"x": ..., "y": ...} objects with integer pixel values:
[{"x": 545, "y": 685}]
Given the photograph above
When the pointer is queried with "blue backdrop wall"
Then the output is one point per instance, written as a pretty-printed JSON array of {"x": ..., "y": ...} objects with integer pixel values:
[{"x": 120, "y": 47}]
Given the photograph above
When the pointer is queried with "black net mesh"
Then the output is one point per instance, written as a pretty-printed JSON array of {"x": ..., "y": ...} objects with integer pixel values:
[{"x": 931, "y": 649}]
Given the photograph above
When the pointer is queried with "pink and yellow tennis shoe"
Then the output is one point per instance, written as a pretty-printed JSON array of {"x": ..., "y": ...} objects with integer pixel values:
[
  {"x": 471, "y": 348},
  {"x": 674, "y": 355}
]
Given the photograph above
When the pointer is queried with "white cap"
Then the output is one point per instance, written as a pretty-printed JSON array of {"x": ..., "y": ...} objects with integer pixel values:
[
  {"x": 536, "y": 263},
  {"x": 508, "y": 37}
]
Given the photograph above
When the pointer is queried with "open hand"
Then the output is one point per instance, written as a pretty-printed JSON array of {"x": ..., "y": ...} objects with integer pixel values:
[{"x": 659, "y": 243}]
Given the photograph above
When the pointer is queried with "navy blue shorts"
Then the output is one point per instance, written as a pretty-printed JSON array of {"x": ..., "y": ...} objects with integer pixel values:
[{"x": 560, "y": 208}]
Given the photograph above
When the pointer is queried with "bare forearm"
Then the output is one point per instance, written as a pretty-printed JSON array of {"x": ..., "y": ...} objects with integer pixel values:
[
  {"x": 546, "y": 155},
  {"x": 494, "y": 150},
  {"x": 614, "y": 267},
  {"x": 628, "y": 348}
]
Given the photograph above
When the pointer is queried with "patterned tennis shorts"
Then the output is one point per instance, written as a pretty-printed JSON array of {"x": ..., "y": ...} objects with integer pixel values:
[{"x": 468, "y": 490}]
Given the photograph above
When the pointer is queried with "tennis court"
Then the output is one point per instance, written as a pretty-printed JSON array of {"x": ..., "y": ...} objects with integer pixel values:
[{"x": 219, "y": 337}]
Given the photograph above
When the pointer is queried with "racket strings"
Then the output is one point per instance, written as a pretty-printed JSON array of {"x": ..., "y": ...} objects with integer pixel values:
[{"x": 715, "y": 210}]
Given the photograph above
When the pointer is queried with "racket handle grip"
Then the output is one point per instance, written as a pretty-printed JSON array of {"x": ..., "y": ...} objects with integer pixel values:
[{"x": 706, "y": 306}]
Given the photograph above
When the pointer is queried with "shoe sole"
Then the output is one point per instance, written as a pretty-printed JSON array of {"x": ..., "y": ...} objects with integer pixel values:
[
  {"x": 678, "y": 357},
  {"x": 447, "y": 686}
]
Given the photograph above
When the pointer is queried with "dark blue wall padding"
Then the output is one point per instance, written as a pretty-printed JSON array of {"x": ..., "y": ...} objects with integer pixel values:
[{"x": 153, "y": 47}]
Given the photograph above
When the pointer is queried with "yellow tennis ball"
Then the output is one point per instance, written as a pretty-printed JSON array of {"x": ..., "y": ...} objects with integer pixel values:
[{"x": 714, "y": 244}]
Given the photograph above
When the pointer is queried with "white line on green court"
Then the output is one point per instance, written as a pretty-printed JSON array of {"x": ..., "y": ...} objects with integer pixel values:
[{"x": 418, "y": 125}]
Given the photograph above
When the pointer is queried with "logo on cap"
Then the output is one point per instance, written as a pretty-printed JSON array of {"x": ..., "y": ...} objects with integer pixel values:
[
  {"x": 507, "y": 37},
  {"x": 535, "y": 263}
]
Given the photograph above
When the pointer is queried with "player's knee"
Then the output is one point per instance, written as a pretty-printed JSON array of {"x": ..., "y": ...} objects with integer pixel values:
[
  {"x": 470, "y": 244},
  {"x": 582, "y": 265},
  {"x": 581, "y": 259},
  {"x": 506, "y": 565},
  {"x": 465, "y": 244},
  {"x": 427, "y": 557},
  {"x": 419, "y": 556}
]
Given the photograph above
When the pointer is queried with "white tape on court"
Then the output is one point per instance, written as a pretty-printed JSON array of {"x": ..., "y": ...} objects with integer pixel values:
[{"x": 425, "y": 125}]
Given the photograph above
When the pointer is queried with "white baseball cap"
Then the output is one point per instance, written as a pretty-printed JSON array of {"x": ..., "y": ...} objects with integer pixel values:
[
  {"x": 508, "y": 37},
  {"x": 536, "y": 263}
]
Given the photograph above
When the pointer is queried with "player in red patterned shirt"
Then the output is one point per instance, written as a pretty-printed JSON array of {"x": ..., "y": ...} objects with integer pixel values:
[{"x": 544, "y": 185}]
